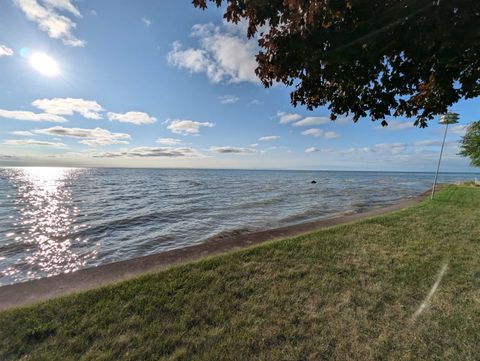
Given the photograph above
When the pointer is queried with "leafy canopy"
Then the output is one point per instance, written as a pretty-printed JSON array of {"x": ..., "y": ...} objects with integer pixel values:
[
  {"x": 470, "y": 144},
  {"x": 373, "y": 58}
]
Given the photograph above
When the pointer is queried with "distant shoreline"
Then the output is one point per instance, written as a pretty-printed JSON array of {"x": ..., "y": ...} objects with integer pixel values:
[
  {"x": 25, "y": 293},
  {"x": 2, "y": 165}
]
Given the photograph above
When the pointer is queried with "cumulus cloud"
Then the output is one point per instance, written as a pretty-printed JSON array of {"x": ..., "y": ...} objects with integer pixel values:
[
  {"x": 228, "y": 99},
  {"x": 141, "y": 152},
  {"x": 89, "y": 109},
  {"x": 136, "y": 118},
  {"x": 309, "y": 121},
  {"x": 23, "y": 133},
  {"x": 186, "y": 126},
  {"x": 285, "y": 118},
  {"x": 269, "y": 138},
  {"x": 49, "y": 19},
  {"x": 224, "y": 54},
  {"x": 232, "y": 150},
  {"x": 5, "y": 51},
  {"x": 168, "y": 141},
  {"x": 315, "y": 132},
  {"x": 30, "y": 116},
  {"x": 92, "y": 137},
  {"x": 33, "y": 142}
]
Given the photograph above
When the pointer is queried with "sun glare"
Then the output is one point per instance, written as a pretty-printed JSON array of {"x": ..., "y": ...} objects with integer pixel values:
[{"x": 44, "y": 64}]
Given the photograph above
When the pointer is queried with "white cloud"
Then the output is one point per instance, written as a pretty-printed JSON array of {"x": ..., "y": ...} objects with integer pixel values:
[
  {"x": 427, "y": 143},
  {"x": 285, "y": 118},
  {"x": 48, "y": 18},
  {"x": 65, "y": 5},
  {"x": 269, "y": 138},
  {"x": 315, "y": 132},
  {"x": 136, "y": 118},
  {"x": 309, "y": 121},
  {"x": 23, "y": 133},
  {"x": 312, "y": 150},
  {"x": 331, "y": 135},
  {"x": 393, "y": 148},
  {"x": 30, "y": 116},
  {"x": 459, "y": 129},
  {"x": 147, "y": 22},
  {"x": 92, "y": 137},
  {"x": 233, "y": 150},
  {"x": 256, "y": 102},
  {"x": 33, "y": 142},
  {"x": 228, "y": 99},
  {"x": 223, "y": 54},
  {"x": 433, "y": 143},
  {"x": 168, "y": 141},
  {"x": 185, "y": 126},
  {"x": 68, "y": 106},
  {"x": 141, "y": 152},
  {"x": 5, "y": 51},
  {"x": 397, "y": 125}
]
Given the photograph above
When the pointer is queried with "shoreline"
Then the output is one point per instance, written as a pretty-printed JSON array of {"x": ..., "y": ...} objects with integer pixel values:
[{"x": 34, "y": 291}]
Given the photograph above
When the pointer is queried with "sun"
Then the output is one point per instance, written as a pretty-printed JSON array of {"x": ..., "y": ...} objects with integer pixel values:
[{"x": 44, "y": 64}]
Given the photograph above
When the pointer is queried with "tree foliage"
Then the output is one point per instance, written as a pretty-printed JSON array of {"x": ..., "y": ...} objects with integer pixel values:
[
  {"x": 470, "y": 144},
  {"x": 373, "y": 58}
]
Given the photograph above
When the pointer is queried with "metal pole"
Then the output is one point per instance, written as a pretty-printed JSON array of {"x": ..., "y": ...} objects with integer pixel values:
[{"x": 439, "y": 160}]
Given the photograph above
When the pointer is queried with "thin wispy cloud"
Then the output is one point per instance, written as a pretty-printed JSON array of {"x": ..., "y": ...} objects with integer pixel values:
[
  {"x": 48, "y": 17},
  {"x": 268, "y": 138},
  {"x": 91, "y": 137},
  {"x": 168, "y": 141},
  {"x": 309, "y": 121},
  {"x": 233, "y": 150},
  {"x": 458, "y": 129},
  {"x": 23, "y": 133},
  {"x": 33, "y": 142},
  {"x": 5, "y": 51},
  {"x": 394, "y": 148},
  {"x": 397, "y": 125},
  {"x": 256, "y": 102},
  {"x": 153, "y": 152},
  {"x": 228, "y": 99},
  {"x": 30, "y": 116},
  {"x": 186, "y": 126},
  {"x": 147, "y": 22}
]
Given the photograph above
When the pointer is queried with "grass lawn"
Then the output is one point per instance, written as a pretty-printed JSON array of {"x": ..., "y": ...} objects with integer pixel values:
[{"x": 344, "y": 293}]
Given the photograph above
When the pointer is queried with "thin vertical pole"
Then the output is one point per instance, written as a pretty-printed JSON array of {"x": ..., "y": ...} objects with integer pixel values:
[{"x": 439, "y": 160}]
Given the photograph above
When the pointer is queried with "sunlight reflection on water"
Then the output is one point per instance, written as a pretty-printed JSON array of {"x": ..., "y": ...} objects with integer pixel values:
[{"x": 45, "y": 220}]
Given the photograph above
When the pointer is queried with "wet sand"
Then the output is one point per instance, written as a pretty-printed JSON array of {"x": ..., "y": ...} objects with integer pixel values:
[{"x": 22, "y": 294}]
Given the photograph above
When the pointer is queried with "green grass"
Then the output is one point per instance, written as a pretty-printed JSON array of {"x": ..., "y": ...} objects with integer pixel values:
[{"x": 345, "y": 293}]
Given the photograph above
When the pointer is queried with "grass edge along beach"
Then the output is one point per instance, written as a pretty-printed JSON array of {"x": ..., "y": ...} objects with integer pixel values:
[{"x": 404, "y": 285}]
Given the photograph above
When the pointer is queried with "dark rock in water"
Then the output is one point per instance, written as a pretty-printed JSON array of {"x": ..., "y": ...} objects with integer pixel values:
[{"x": 314, "y": 182}]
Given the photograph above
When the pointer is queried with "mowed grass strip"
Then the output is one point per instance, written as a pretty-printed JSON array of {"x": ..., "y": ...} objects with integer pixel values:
[{"x": 344, "y": 293}]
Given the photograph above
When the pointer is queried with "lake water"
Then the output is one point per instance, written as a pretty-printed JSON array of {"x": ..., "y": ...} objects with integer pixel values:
[{"x": 58, "y": 220}]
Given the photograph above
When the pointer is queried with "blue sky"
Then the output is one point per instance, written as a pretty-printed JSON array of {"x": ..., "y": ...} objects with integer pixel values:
[{"x": 162, "y": 84}]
